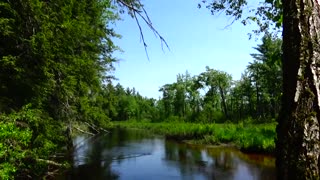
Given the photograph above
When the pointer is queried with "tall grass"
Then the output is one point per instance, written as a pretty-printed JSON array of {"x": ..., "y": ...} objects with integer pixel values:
[{"x": 247, "y": 137}]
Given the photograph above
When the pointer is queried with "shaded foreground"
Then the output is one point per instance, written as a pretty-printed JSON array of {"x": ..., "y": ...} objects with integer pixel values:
[
  {"x": 248, "y": 138},
  {"x": 135, "y": 154}
]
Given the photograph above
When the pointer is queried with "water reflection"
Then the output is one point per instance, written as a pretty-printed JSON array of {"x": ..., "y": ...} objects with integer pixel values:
[{"x": 124, "y": 154}]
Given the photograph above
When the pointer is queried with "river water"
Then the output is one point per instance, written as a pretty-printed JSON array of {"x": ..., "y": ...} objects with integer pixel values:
[{"x": 134, "y": 154}]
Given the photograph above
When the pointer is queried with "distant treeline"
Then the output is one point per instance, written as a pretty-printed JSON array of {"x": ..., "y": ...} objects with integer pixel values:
[{"x": 211, "y": 96}]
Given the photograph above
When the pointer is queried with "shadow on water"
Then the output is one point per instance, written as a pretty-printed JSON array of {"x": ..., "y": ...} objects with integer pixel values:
[{"x": 131, "y": 154}]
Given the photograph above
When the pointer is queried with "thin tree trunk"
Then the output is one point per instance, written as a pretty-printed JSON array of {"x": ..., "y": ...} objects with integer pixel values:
[
  {"x": 241, "y": 109},
  {"x": 258, "y": 101},
  {"x": 250, "y": 105},
  {"x": 298, "y": 143},
  {"x": 273, "y": 106},
  {"x": 224, "y": 105}
]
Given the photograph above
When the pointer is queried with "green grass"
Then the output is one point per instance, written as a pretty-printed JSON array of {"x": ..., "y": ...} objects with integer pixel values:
[{"x": 258, "y": 138}]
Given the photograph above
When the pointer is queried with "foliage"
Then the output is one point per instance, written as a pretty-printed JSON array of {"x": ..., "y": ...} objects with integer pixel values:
[
  {"x": 267, "y": 14},
  {"x": 26, "y": 136},
  {"x": 54, "y": 58},
  {"x": 212, "y": 96},
  {"x": 13, "y": 142},
  {"x": 248, "y": 137}
]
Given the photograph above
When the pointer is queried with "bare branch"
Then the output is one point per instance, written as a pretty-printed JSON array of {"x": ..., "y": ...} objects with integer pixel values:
[
  {"x": 145, "y": 17},
  {"x": 95, "y": 128},
  {"x": 85, "y": 132},
  {"x": 141, "y": 35},
  {"x": 153, "y": 29},
  {"x": 53, "y": 163}
]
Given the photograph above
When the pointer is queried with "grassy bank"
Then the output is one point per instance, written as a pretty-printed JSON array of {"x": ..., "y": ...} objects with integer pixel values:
[{"x": 247, "y": 137}]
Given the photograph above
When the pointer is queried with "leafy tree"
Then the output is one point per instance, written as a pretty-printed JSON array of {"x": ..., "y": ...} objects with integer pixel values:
[
  {"x": 258, "y": 92},
  {"x": 242, "y": 98},
  {"x": 266, "y": 71},
  {"x": 111, "y": 101},
  {"x": 298, "y": 128},
  {"x": 195, "y": 99},
  {"x": 167, "y": 100},
  {"x": 54, "y": 56},
  {"x": 218, "y": 82}
]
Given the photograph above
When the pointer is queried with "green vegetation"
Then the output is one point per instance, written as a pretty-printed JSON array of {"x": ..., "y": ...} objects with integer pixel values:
[
  {"x": 56, "y": 63},
  {"x": 211, "y": 108},
  {"x": 297, "y": 146},
  {"x": 56, "y": 59},
  {"x": 210, "y": 97},
  {"x": 247, "y": 137}
]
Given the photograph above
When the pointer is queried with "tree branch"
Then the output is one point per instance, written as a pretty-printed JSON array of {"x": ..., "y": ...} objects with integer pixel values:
[
  {"x": 136, "y": 12},
  {"x": 85, "y": 132},
  {"x": 53, "y": 163},
  {"x": 94, "y": 127}
]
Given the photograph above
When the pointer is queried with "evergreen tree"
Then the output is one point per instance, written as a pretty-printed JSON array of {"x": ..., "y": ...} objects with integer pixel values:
[{"x": 54, "y": 57}]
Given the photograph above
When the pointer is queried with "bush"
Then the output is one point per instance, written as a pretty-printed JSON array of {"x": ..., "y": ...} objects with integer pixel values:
[
  {"x": 25, "y": 137},
  {"x": 13, "y": 146}
]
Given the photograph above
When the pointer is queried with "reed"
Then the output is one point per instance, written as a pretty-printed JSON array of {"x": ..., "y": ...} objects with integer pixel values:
[{"x": 257, "y": 138}]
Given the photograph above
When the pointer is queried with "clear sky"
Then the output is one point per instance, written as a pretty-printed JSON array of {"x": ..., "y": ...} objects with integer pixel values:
[{"x": 196, "y": 39}]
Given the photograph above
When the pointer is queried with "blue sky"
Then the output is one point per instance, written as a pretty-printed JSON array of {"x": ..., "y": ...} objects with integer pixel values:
[{"x": 196, "y": 39}]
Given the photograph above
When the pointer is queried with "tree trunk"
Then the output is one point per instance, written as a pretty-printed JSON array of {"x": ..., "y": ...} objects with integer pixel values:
[
  {"x": 258, "y": 105},
  {"x": 298, "y": 144},
  {"x": 224, "y": 105},
  {"x": 241, "y": 109},
  {"x": 273, "y": 106},
  {"x": 250, "y": 106}
]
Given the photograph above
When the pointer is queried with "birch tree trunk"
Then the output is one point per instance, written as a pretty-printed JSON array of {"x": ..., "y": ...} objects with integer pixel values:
[{"x": 298, "y": 144}]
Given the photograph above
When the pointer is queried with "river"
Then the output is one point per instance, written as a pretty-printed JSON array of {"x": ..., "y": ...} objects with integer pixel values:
[{"x": 135, "y": 154}]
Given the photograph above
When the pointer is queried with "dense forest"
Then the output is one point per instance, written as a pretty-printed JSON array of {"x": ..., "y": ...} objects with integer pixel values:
[{"x": 56, "y": 59}]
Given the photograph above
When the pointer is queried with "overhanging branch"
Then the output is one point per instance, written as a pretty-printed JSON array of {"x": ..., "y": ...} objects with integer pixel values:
[{"x": 140, "y": 11}]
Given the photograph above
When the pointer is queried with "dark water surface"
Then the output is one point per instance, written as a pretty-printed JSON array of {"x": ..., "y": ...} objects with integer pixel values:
[{"x": 131, "y": 154}]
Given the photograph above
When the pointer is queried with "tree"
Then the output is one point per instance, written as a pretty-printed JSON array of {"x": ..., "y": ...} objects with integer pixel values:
[
  {"x": 242, "y": 98},
  {"x": 195, "y": 99},
  {"x": 298, "y": 143},
  {"x": 167, "y": 99},
  {"x": 265, "y": 71},
  {"x": 218, "y": 82},
  {"x": 54, "y": 56}
]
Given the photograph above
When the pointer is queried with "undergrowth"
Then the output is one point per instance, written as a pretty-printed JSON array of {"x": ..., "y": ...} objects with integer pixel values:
[{"x": 258, "y": 138}]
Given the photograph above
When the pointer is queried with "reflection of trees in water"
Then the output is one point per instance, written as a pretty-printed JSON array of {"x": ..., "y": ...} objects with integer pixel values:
[
  {"x": 193, "y": 162},
  {"x": 267, "y": 173},
  {"x": 189, "y": 162},
  {"x": 94, "y": 170},
  {"x": 238, "y": 164},
  {"x": 94, "y": 164},
  {"x": 94, "y": 158},
  {"x": 224, "y": 161},
  {"x": 120, "y": 137},
  {"x": 213, "y": 163}
]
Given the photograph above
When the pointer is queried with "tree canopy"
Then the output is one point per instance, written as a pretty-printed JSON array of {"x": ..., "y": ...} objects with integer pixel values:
[{"x": 54, "y": 58}]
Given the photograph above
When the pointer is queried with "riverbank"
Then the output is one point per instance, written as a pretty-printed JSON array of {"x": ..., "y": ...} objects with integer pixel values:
[
  {"x": 124, "y": 153},
  {"x": 254, "y": 138}
]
